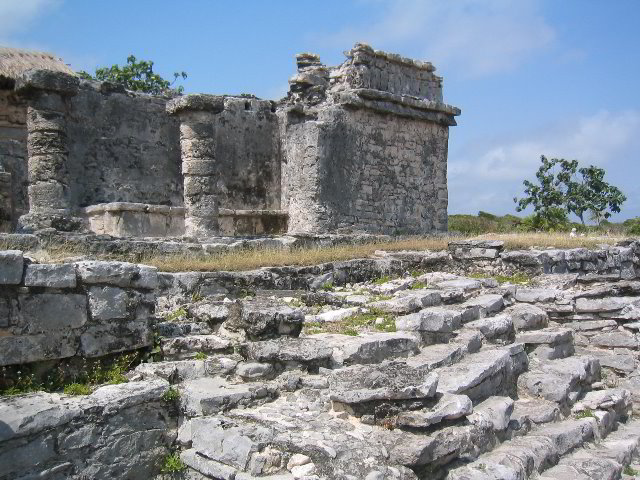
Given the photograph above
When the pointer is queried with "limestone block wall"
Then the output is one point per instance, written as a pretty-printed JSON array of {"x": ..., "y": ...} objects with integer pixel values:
[
  {"x": 389, "y": 72},
  {"x": 119, "y": 431},
  {"x": 247, "y": 154},
  {"x": 86, "y": 309},
  {"x": 230, "y": 160},
  {"x": 357, "y": 169},
  {"x": 123, "y": 147},
  {"x": 13, "y": 158}
]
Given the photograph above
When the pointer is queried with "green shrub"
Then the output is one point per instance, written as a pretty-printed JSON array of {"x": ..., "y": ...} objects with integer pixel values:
[
  {"x": 201, "y": 356},
  {"x": 554, "y": 220},
  {"x": 632, "y": 226}
]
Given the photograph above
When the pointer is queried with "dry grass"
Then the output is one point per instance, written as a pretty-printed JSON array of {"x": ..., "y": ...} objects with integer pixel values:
[
  {"x": 239, "y": 260},
  {"x": 517, "y": 241}
]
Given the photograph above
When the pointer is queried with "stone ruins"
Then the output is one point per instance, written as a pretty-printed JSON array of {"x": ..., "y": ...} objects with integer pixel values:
[
  {"x": 471, "y": 363},
  {"x": 357, "y": 148}
]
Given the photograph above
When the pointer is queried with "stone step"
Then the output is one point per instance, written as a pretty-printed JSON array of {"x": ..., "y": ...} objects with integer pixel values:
[
  {"x": 212, "y": 395},
  {"x": 186, "y": 347},
  {"x": 491, "y": 371},
  {"x": 527, "y": 456},
  {"x": 409, "y": 301},
  {"x": 561, "y": 381},
  {"x": 438, "y": 324},
  {"x": 604, "y": 461},
  {"x": 548, "y": 343},
  {"x": 368, "y": 348}
]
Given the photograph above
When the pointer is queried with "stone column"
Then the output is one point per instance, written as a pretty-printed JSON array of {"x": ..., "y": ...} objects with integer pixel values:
[
  {"x": 199, "y": 169},
  {"x": 48, "y": 149}
]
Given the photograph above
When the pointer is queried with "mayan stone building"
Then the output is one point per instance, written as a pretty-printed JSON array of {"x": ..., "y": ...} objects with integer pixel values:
[{"x": 357, "y": 148}]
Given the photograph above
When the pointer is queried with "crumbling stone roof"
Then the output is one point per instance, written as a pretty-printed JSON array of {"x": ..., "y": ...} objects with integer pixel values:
[{"x": 14, "y": 62}]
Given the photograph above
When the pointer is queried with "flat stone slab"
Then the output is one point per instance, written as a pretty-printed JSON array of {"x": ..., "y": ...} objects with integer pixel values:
[
  {"x": 536, "y": 295},
  {"x": 528, "y": 317},
  {"x": 50, "y": 276},
  {"x": 493, "y": 328},
  {"x": 488, "y": 304},
  {"x": 439, "y": 355},
  {"x": 409, "y": 302},
  {"x": 368, "y": 348},
  {"x": 211, "y": 395},
  {"x": 609, "y": 304},
  {"x": 449, "y": 407},
  {"x": 554, "y": 380},
  {"x": 433, "y": 319},
  {"x": 11, "y": 266},
  {"x": 548, "y": 336},
  {"x": 494, "y": 412},
  {"x": 615, "y": 339},
  {"x": 466, "y": 284},
  {"x": 533, "y": 410},
  {"x": 472, "y": 370},
  {"x": 192, "y": 344},
  {"x": 387, "y": 381},
  {"x": 264, "y": 318},
  {"x": 300, "y": 350}
]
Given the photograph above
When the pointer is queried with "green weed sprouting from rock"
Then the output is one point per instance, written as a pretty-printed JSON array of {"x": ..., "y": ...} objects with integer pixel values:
[
  {"x": 418, "y": 286},
  {"x": 172, "y": 463},
  {"x": 629, "y": 470},
  {"x": 200, "y": 356},
  {"x": 355, "y": 324},
  {"x": 171, "y": 395},
  {"x": 327, "y": 287},
  {"x": 516, "y": 279},
  {"x": 176, "y": 314},
  {"x": 69, "y": 375},
  {"x": 77, "y": 389},
  {"x": 585, "y": 414},
  {"x": 382, "y": 280}
]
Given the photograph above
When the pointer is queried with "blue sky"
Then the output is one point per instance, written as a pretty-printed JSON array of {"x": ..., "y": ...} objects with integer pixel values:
[{"x": 532, "y": 77}]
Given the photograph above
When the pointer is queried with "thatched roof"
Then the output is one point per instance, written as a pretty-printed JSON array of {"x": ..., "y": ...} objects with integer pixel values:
[{"x": 14, "y": 61}]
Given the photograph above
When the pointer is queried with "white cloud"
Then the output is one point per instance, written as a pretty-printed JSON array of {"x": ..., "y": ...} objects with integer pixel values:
[
  {"x": 17, "y": 15},
  {"x": 476, "y": 37},
  {"x": 486, "y": 177}
]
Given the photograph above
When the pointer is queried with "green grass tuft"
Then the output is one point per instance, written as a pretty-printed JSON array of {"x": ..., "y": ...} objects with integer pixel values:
[
  {"x": 173, "y": 464},
  {"x": 382, "y": 280},
  {"x": 171, "y": 395},
  {"x": 585, "y": 414},
  {"x": 176, "y": 314},
  {"x": 361, "y": 322},
  {"x": 200, "y": 356},
  {"x": 77, "y": 389}
]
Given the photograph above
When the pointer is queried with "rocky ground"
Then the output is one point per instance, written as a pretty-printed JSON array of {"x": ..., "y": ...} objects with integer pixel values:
[
  {"x": 425, "y": 374},
  {"x": 430, "y": 375}
]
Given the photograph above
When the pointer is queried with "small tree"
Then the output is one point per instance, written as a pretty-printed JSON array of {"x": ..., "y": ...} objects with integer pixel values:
[
  {"x": 546, "y": 197},
  {"x": 562, "y": 185},
  {"x": 137, "y": 76}
]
